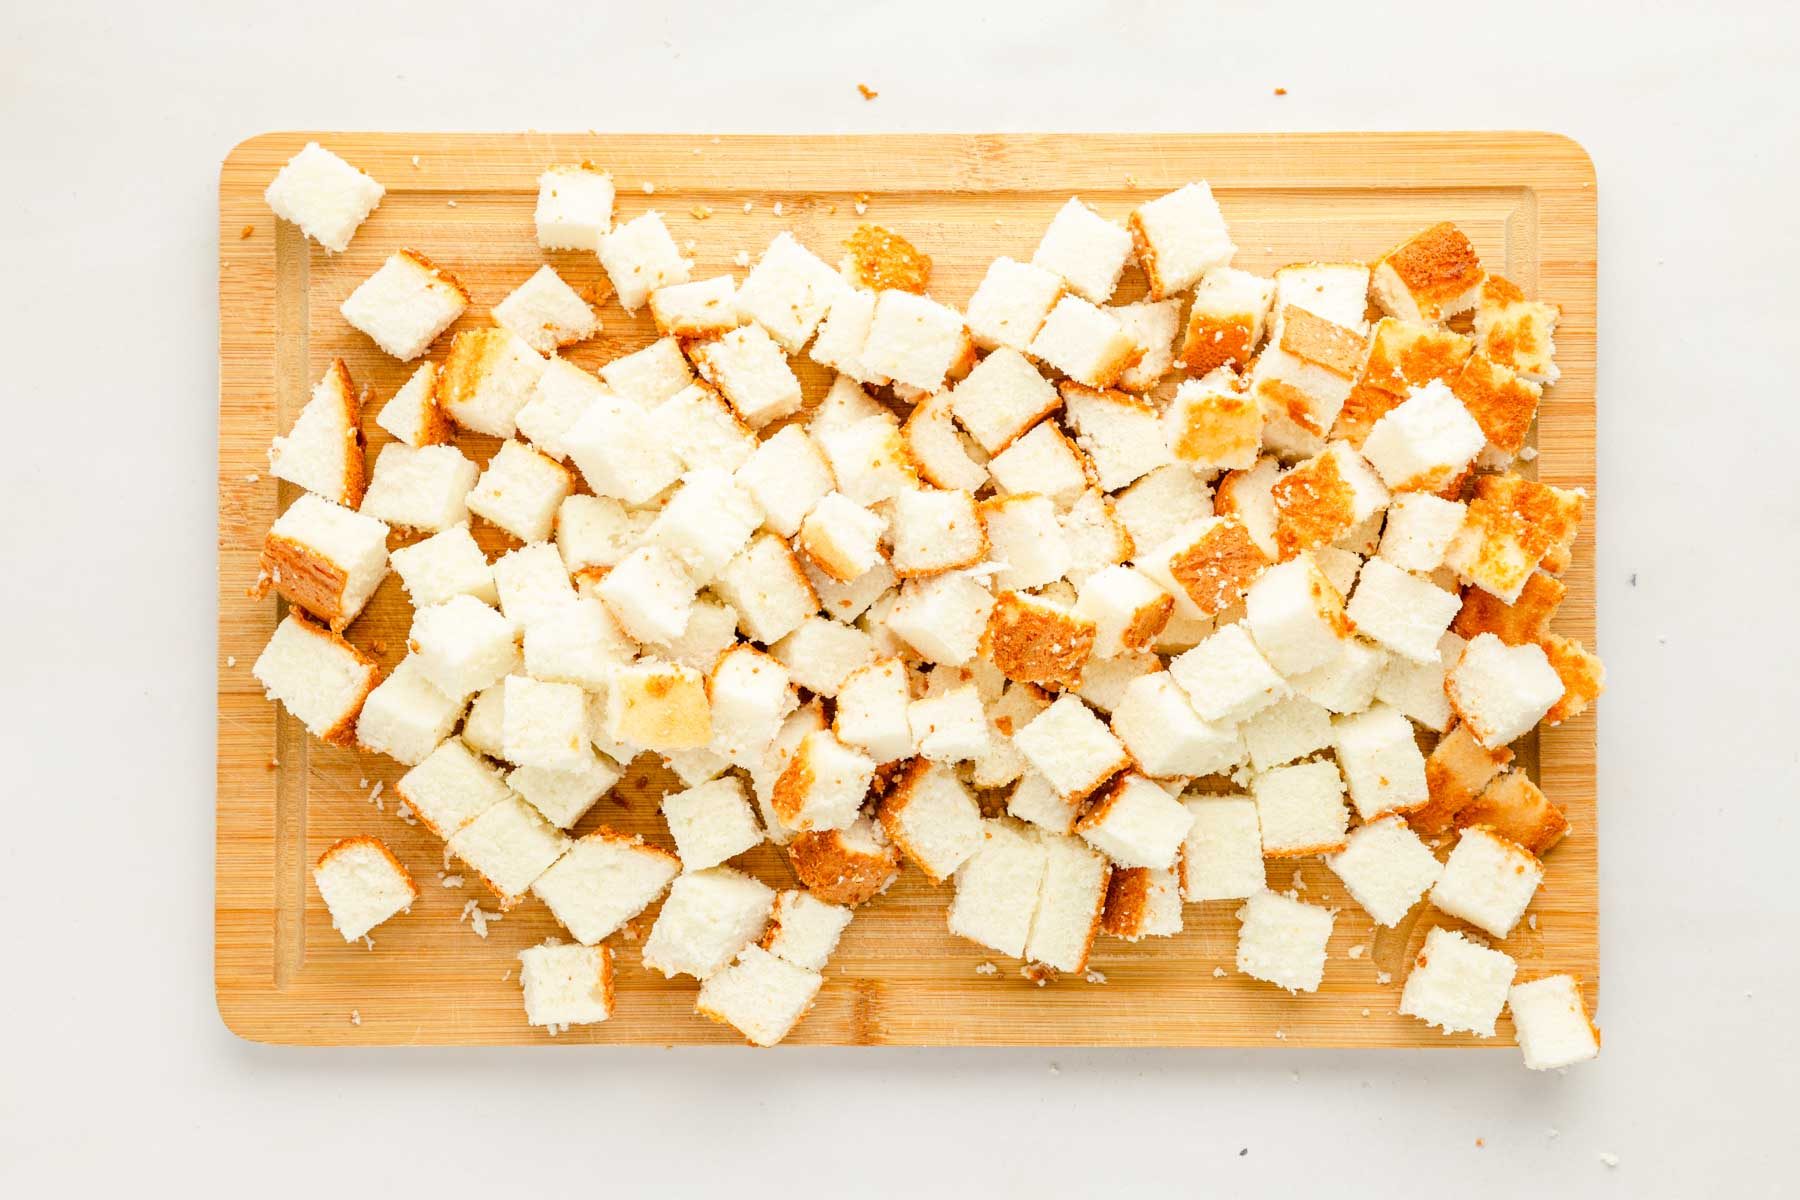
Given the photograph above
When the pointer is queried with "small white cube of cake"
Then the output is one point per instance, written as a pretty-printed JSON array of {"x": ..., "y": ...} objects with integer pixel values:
[
  {"x": 1344, "y": 683},
  {"x": 597, "y": 531},
  {"x": 1071, "y": 747},
  {"x": 1163, "y": 502},
  {"x": 936, "y": 531},
  {"x": 945, "y": 456},
  {"x": 820, "y": 654},
  {"x": 786, "y": 475},
  {"x": 867, "y": 457},
  {"x": 1324, "y": 498},
  {"x": 604, "y": 880},
  {"x": 1143, "y": 902},
  {"x": 1457, "y": 985},
  {"x": 1295, "y": 616},
  {"x": 1121, "y": 433},
  {"x": 711, "y": 823},
  {"x": 1002, "y": 398},
  {"x": 1301, "y": 809},
  {"x": 323, "y": 452},
  {"x": 1226, "y": 677},
  {"x": 1286, "y": 730},
  {"x": 709, "y": 916},
  {"x": 842, "y": 538},
  {"x": 706, "y": 523},
  {"x": 760, "y": 995},
  {"x": 489, "y": 376},
  {"x": 789, "y": 291},
  {"x": 1431, "y": 276},
  {"x": 1009, "y": 306},
  {"x": 1425, "y": 442},
  {"x": 577, "y": 642},
  {"x": 520, "y": 491},
  {"x": 564, "y": 797},
  {"x": 1211, "y": 426},
  {"x": 412, "y": 415},
  {"x": 406, "y": 716},
  {"x": 997, "y": 888},
  {"x": 659, "y": 706},
  {"x": 703, "y": 431},
  {"x": 1247, "y": 495},
  {"x": 484, "y": 726},
  {"x": 871, "y": 712},
  {"x": 444, "y": 565},
  {"x": 640, "y": 257},
  {"x": 1381, "y": 762},
  {"x": 1488, "y": 881},
  {"x": 1034, "y": 799},
  {"x": 649, "y": 376},
  {"x": 1085, "y": 249},
  {"x": 932, "y": 818},
  {"x": 1385, "y": 868},
  {"x": 1166, "y": 737},
  {"x": 1226, "y": 320},
  {"x": 1024, "y": 537},
  {"x": 804, "y": 930},
  {"x": 1501, "y": 691},
  {"x": 823, "y": 784},
  {"x": 751, "y": 695},
  {"x": 750, "y": 369},
  {"x": 916, "y": 341},
  {"x": 547, "y": 313},
  {"x": 1282, "y": 941},
  {"x": 621, "y": 452},
  {"x": 1128, "y": 610},
  {"x": 1417, "y": 689},
  {"x": 942, "y": 618},
  {"x": 1419, "y": 530},
  {"x": 463, "y": 645},
  {"x": 317, "y": 676},
  {"x": 1552, "y": 1023},
  {"x": 704, "y": 308},
  {"x": 1179, "y": 238},
  {"x": 1152, "y": 325},
  {"x": 532, "y": 582},
  {"x": 1136, "y": 823},
  {"x": 545, "y": 724},
  {"x": 324, "y": 195},
  {"x": 574, "y": 206},
  {"x": 1071, "y": 900},
  {"x": 509, "y": 845},
  {"x": 405, "y": 304},
  {"x": 844, "y": 333},
  {"x": 1222, "y": 857},
  {"x": 362, "y": 884},
  {"x": 949, "y": 727},
  {"x": 425, "y": 488},
  {"x": 326, "y": 558},
  {"x": 650, "y": 593},
  {"x": 450, "y": 788},
  {"x": 1336, "y": 291},
  {"x": 1042, "y": 460},
  {"x": 1086, "y": 343},
  {"x": 566, "y": 984},
  {"x": 768, "y": 589}
]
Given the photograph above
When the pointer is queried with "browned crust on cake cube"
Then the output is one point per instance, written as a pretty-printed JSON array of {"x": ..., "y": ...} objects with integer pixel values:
[
  {"x": 1514, "y": 808},
  {"x": 304, "y": 578},
  {"x": 881, "y": 259},
  {"x": 1582, "y": 674},
  {"x": 1034, "y": 642},
  {"x": 899, "y": 797},
  {"x": 1306, "y": 335},
  {"x": 1510, "y": 511},
  {"x": 1365, "y": 405},
  {"x": 838, "y": 874},
  {"x": 1502, "y": 403},
  {"x": 1145, "y": 250},
  {"x": 1438, "y": 266},
  {"x": 1215, "y": 570},
  {"x": 344, "y": 732},
  {"x": 1514, "y": 331},
  {"x": 1314, "y": 505},
  {"x": 1525, "y": 620},
  {"x": 363, "y": 839},
  {"x": 1127, "y": 902},
  {"x": 1224, "y": 424},
  {"x": 1456, "y": 771},
  {"x": 1404, "y": 355},
  {"x": 471, "y": 351},
  {"x": 1215, "y": 341},
  {"x": 419, "y": 260}
]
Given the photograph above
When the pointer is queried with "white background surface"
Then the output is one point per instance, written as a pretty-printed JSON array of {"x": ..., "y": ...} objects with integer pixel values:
[{"x": 115, "y": 1066}]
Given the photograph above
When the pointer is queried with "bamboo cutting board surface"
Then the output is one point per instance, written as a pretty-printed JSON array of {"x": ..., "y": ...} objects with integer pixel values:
[{"x": 284, "y": 975}]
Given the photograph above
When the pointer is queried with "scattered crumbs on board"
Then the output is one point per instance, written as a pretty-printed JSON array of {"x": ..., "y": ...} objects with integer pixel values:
[
  {"x": 231, "y": 660},
  {"x": 246, "y": 231},
  {"x": 986, "y": 968},
  {"x": 1095, "y": 977},
  {"x": 868, "y": 93},
  {"x": 355, "y": 1016},
  {"x": 649, "y": 188}
]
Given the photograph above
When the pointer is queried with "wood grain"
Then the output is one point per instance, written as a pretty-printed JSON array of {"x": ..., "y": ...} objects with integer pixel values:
[{"x": 283, "y": 975}]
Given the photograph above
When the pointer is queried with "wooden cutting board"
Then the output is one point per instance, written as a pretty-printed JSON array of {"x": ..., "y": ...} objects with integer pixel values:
[{"x": 283, "y": 975}]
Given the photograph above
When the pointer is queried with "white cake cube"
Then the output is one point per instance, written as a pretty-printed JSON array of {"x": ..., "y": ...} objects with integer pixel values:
[
  {"x": 823, "y": 784},
  {"x": 323, "y": 451},
  {"x": 1226, "y": 677},
  {"x": 1222, "y": 859},
  {"x": 597, "y": 531},
  {"x": 1226, "y": 320},
  {"x": 489, "y": 376},
  {"x": 768, "y": 589},
  {"x": 578, "y": 642},
  {"x": 650, "y": 593},
  {"x": 1085, "y": 249},
  {"x": 564, "y": 797},
  {"x": 997, "y": 889},
  {"x": 450, "y": 788},
  {"x": 1143, "y": 902},
  {"x": 1425, "y": 442},
  {"x": 532, "y": 582},
  {"x": 1211, "y": 426},
  {"x": 1152, "y": 325},
  {"x": 444, "y": 565},
  {"x": 546, "y": 724},
  {"x": 1417, "y": 689},
  {"x": 1166, "y": 737},
  {"x": 760, "y": 995},
  {"x": 844, "y": 333},
  {"x": 1488, "y": 881},
  {"x": 1419, "y": 530},
  {"x": 574, "y": 206},
  {"x": 1282, "y": 941},
  {"x": 425, "y": 488},
  {"x": 786, "y": 475},
  {"x": 867, "y": 457},
  {"x": 1295, "y": 616},
  {"x": 566, "y": 984},
  {"x": 804, "y": 930},
  {"x": 1086, "y": 343},
  {"x": 705, "y": 308},
  {"x": 1457, "y": 985},
  {"x": 1286, "y": 730},
  {"x": 412, "y": 414},
  {"x": 1121, "y": 433},
  {"x": 659, "y": 706},
  {"x": 935, "y": 531},
  {"x": 324, "y": 195},
  {"x": 1136, "y": 823},
  {"x": 789, "y": 291},
  {"x": 639, "y": 257},
  {"x": 1024, "y": 535},
  {"x": 649, "y": 376},
  {"x": 750, "y": 369},
  {"x": 1385, "y": 868},
  {"x": 943, "y": 617},
  {"x": 520, "y": 491},
  {"x": 604, "y": 880},
  {"x": 706, "y": 524},
  {"x": 463, "y": 645},
  {"x": 916, "y": 341},
  {"x": 1010, "y": 304},
  {"x": 547, "y": 312},
  {"x": 821, "y": 653},
  {"x": 1499, "y": 691},
  {"x": 326, "y": 558},
  {"x": 1346, "y": 682},
  {"x": 362, "y": 884},
  {"x": 949, "y": 727},
  {"x": 708, "y": 918},
  {"x": 1070, "y": 902},
  {"x": 1381, "y": 762},
  {"x": 406, "y": 716},
  {"x": 1301, "y": 809},
  {"x": 871, "y": 710},
  {"x": 1180, "y": 237},
  {"x": 1128, "y": 610},
  {"x": 711, "y": 823},
  {"x": 1071, "y": 747},
  {"x": 509, "y": 845},
  {"x": 1552, "y": 1024},
  {"x": 932, "y": 818},
  {"x": 620, "y": 452},
  {"x": 1042, "y": 460},
  {"x": 944, "y": 455},
  {"x": 563, "y": 393}
]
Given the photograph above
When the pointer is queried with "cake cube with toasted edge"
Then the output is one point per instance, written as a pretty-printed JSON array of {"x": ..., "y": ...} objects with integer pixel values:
[
  {"x": 1295, "y": 616},
  {"x": 867, "y": 458},
  {"x": 1136, "y": 824},
  {"x": 532, "y": 583},
  {"x": 450, "y": 787},
  {"x": 1221, "y": 858},
  {"x": 749, "y": 368},
  {"x": 1127, "y": 607},
  {"x": 949, "y": 726},
  {"x": 1552, "y": 1024},
  {"x": 325, "y": 558},
  {"x": 566, "y": 984},
  {"x": 1515, "y": 332},
  {"x": 916, "y": 341},
  {"x": 943, "y": 617},
  {"x": 547, "y": 312},
  {"x": 1458, "y": 768},
  {"x": 1042, "y": 460},
  {"x": 1425, "y": 442},
  {"x": 1500, "y": 692},
  {"x": 705, "y": 308},
  {"x": 659, "y": 706},
  {"x": 1431, "y": 276},
  {"x": 1070, "y": 902},
  {"x": 1303, "y": 378},
  {"x": 1166, "y": 737},
  {"x": 1514, "y": 808},
  {"x": 823, "y": 784},
  {"x": 562, "y": 394},
  {"x": 706, "y": 523},
  {"x": 1289, "y": 729},
  {"x": 325, "y": 196},
  {"x": 520, "y": 491},
  {"x": 564, "y": 797},
  {"x": 1407, "y": 614},
  {"x": 843, "y": 334},
  {"x": 1121, "y": 434},
  {"x": 871, "y": 710},
  {"x": 1205, "y": 565},
  {"x": 1488, "y": 881},
  {"x": 1161, "y": 502},
  {"x": 1226, "y": 677},
  {"x": 1002, "y": 764},
  {"x": 760, "y": 995},
  {"x": 604, "y": 880},
  {"x": 1526, "y": 619},
  {"x": 788, "y": 292},
  {"x": 1321, "y": 499},
  {"x": 786, "y": 475},
  {"x": 444, "y": 565},
  {"x": 848, "y": 866},
  {"x": 997, "y": 888},
  {"x": 317, "y": 676},
  {"x": 935, "y": 531},
  {"x": 1071, "y": 747},
  {"x": 1152, "y": 325},
  {"x": 407, "y": 716},
  {"x": 820, "y": 654},
  {"x": 1335, "y": 291},
  {"x": 766, "y": 586},
  {"x": 424, "y": 489},
  {"x": 1512, "y": 525},
  {"x": 639, "y": 257},
  {"x": 750, "y": 697},
  {"x": 1093, "y": 534},
  {"x": 932, "y": 818},
  {"x": 649, "y": 376},
  {"x": 508, "y": 845},
  {"x": 942, "y": 453},
  {"x": 1086, "y": 343},
  {"x": 804, "y": 930},
  {"x": 1211, "y": 426},
  {"x": 842, "y": 538},
  {"x": 1011, "y": 302},
  {"x": 323, "y": 450},
  {"x": 412, "y": 414},
  {"x": 362, "y": 884},
  {"x": 1583, "y": 677},
  {"x": 1301, "y": 810},
  {"x": 1457, "y": 985},
  {"x": 1180, "y": 238},
  {"x": 1023, "y": 537},
  {"x": 1345, "y": 683},
  {"x": 1088, "y": 251},
  {"x": 708, "y": 918},
  {"x": 1404, "y": 355},
  {"x": 574, "y": 206},
  {"x": 1282, "y": 941},
  {"x": 489, "y": 375},
  {"x": 406, "y": 304},
  {"x": 484, "y": 724},
  {"x": 1143, "y": 902},
  {"x": 1002, "y": 398},
  {"x": 1419, "y": 529},
  {"x": 1036, "y": 800},
  {"x": 1226, "y": 320},
  {"x": 703, "y": 431},
  {"x": 1248, "y": 496},
  {"x": 1386, "y": 869},
  {"x": 711, "y": 823}
]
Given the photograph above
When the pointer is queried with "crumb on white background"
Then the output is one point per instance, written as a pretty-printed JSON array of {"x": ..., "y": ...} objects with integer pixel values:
[{"x": 1611, "y": 1160}]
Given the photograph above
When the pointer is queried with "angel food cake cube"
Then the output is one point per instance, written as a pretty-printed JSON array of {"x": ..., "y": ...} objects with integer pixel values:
[
  {"x": 1295, "y": 616},
  {"x": 1164, "y": 734},
  {"x": 649, "y": 376},
  {"x": 574, "y": 206},
  {"x": 1222, "y": 858},
  {"x": 943, "y": 617},
  {"x": 1136, "y": 824},
  {"x": 1487, "y": 881},
  {"x": 1142, "y": 902},
  {"x": 425, "y": 488},
  {"x": 711, "y": 823},
  {"x": 760, "y": 995},
  {"x": 1002, "y": 398},
  {"x": 1322, "y": 499},
  {"x": 1431, "y": 276},
  {"x": 1456, "y": 984},
  {"x": 324, "y": 195},
  {"x": 450, "y": 787},
  {"x": 767, "y": 588},
  {"x": 1010, "y": 304},
  {"x": 1381, "y": 762},
  {"x": 1226, "y": 677},
  {"x": 705, "y": 524},
  {"x": 1070, "y": 903},
  {"x": 405, "y": 304},
  {"x": 1425, "y": 442},
  {"x": 639, "y": 257},
  {"x": 1512, "y": 526},
  {"x": 406, "y": 716},
  {"x": 823, "y": 784},
  {"x": 659, "y": 706},
  {"x": 323, "y": 452},
  {"x": 325, "y": 558},
  {"x": 1085, "y": 249},
  {"x": 1041, "y": 461},
  {"x": 566, "y": 985},
  {"x": 944, "y": 455},
  {"x": 949, "y": 726},
  {"x": 997, "y": 889},
  {"x": 489, "y": 376},
  {"x": 1226, "y": 320},
  {"x": 362, "y": 884},
  {"x": 1121, "y": 434},
  {"x": 1211, "y": 426},
  {"x": 1180, "y": 237},
  {"x": 509, "y": 845},
  {"x": 1301, "y": 809},
  {"x": 1386, "y": 869},
  {"x": 1282, "y": 941},
  {"x": 702, "y": 309},
  {"x": 789, "y": 291},
  {"x": 1406, "y": 614},
  {"x": 1152, "y": 325},
  {"x": 804, "y": 930},
  {"x": 564, "y": 797},
  {"x": 547, "y": 313},
  {"x": 317, "y": 676},
  {"x": 1500, "y": 692},
  {"x": 916, "y": 341},
  {"x": 1207, "y": 565},
  {"x": 786, "y": 475},
  {"x": 935, "y": 531},
  {"x": 1086, "y": 343},
  {"x": 708, "y": 918},
  {"x": 1515, "y": 332},
  {"x": 520, "y": 491},
  {"x": 820, "y": 654},
  {"x": 932, "y": 818},
  {"x": 604, "y": 880},
  {"x": 545, "y": 724},
  {"x": 750, "y": 369},
  {"x": 1071, "y": 747},
  {"x": 1552, "y": 1024}
]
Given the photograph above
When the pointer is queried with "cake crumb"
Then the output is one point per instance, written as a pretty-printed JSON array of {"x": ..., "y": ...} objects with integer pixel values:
[
  {"x": 1038, "y": 973},
  {"x": 1281, "y": 1035},
  {"x": 778, "y": 210},
  {"x": 700, "y": 211},
  {"x": 1531, "y": 920},
  {"x": 375, "y": 796},
  {"x": 649, "y": 188},
  {"x": 1365, "y": 1012},
  {"x": 1611, "y": 1160},
  {"x": 1358, "y": 950},
  {"x": 253, "y": 477},
  {"x": 862, "y": 203},
  {"x": 231, "y": 660},
  {"x": 451, "y": 203},
  {"x": 1298, "y": 884},
  {"x": 415, "y": 160},
  {"x": 368, "y": 941},
  {"x": 246, "y": 231},
  {"x": 450, "y": 881},
  {"x": 986, "y": 968},
  {"x": 748, "y": 206},
  {"x": 1218, "y": 972},
  {"x": 1383, "y": 977},
  {"x": 741, "y": 258},
  {"x": 355, "y": 1017},
  {"x": 1095, "y": 977},
  {"x": 868, "y": 93},
  {"x": 404, "y": 811},
  {"x": 478, "y": 917}
]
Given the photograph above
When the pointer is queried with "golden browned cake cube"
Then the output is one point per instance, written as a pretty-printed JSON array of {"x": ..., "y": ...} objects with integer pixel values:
[
  {"x": 1513, "y": 523},
  {"x": 1225, "y": 324},
  {"x": 877, "y": 258},
  {"x": 1303, "y": 378},
  {"x": 1502, "y": 403},
  {"x": 1214, "y": 567},
  {"x": 1582, "y": 674},
  {"x": 1213, "y": 427},
  {"x": 845, "y": 866},
  {"x": 1517, "y": 332},
  {"x": 1431, "y": 276},
  {"x": 1033, "y": 640},
  {"x": 1323, "y": 498},
  {"x": 1456, "y": 771},
  {"x": 1402, "y": 355},
  {"x": 1513, "y": 807},
  {"x": 1526, "y": 619}
]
